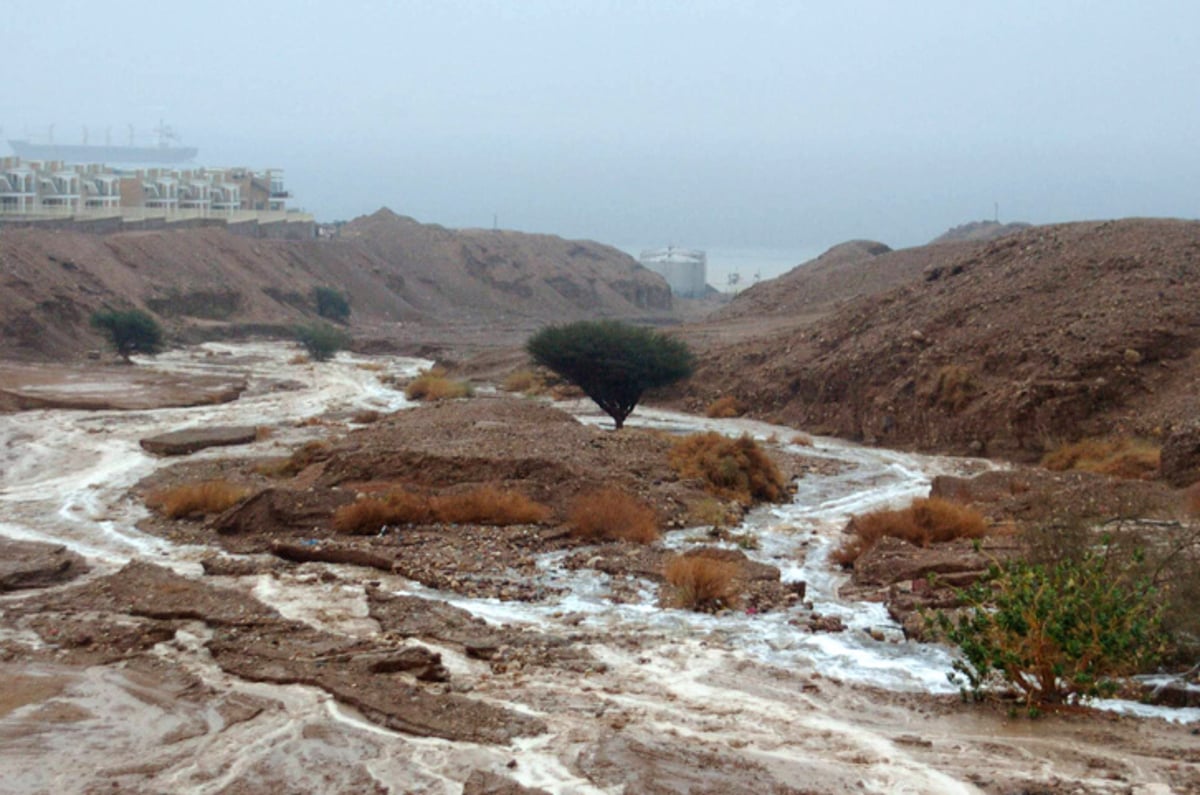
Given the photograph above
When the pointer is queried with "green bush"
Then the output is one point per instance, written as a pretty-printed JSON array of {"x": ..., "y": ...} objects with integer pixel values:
[
  {"x": 614, "y": 363},
  {"x": 331, "y": 304},
  {"x": 321, "y": 340},
  {"x": 130, "y": 331},
  {"x": 1055, "y": 632}
]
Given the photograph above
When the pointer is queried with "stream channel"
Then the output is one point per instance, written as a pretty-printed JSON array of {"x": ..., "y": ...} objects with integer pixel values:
[{"x": 769, "y": 690}]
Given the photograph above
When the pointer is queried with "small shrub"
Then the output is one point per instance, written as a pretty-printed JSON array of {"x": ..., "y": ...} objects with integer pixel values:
[
  {"x": 701, "y": 583},
  {"x": 210, "y": 496},
  {"x": 130, "y": 331},
  {"x": 362, "y": 517},
  {"x": 1054, "y": 632},
  {"x": 735, "y": 469},
  {"x": 712, "y": 512},
  {"x": 725, "y": 407},
  {"x": 408, "y": 508},
  {"x": 485, "y": 506},
  {"x": 490, "y": 506},
  {"x": 322, "y": 340},
  {"x": 954, "y": 388},
  {"x": 366, "y": 417},
  {"x": 331, "y": 304},
  {"x": 612, "y": 515},
  {"x": 800, "y": 440},
  {"x": 526, "y": 382},
  {"x": 433, "y": 384},
  {"x": 1123, "y": 457},
  {"x": 926, "y": 521}
]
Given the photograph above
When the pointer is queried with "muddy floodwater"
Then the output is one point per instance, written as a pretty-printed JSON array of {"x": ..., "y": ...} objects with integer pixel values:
[{"x": 682, "y": 702}]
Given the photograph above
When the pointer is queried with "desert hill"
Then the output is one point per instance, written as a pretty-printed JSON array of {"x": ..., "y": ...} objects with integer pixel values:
[
  {"x": 211, "y": 283},
  {"x": 496, "y": 272},
  {"x": 980, "y": 230},
  {"x": 1003, "y": 347}
]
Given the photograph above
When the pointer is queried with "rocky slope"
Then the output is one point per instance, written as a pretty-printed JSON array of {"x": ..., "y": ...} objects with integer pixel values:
[
  {"x": 208, "y": 282},
  {"x": 1001, "y": 347}
]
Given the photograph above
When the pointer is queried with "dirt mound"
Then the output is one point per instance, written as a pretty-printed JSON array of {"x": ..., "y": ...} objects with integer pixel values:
[
  {"x": 808, "y": 292},
  {"x": 204, "y": 283},
  {"x": 1003, "y": 347},
  {"x": 469, "y": 273}
]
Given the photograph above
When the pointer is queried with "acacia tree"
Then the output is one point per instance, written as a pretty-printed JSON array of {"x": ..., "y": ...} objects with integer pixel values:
[
  {"x": 130, "y": 331},
  {"x": 332, "y": 304},
  {"x": 321, "y": 340},
  {"x": 612, "y": 362}
]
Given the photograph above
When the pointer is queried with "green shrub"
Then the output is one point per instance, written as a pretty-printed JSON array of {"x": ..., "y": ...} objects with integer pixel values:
[
  {"x": 331, "y": 304},
  {"x": 130, "y": 331},
  {"x": 321, "y": 340},
  {"x": 614, "y": 363},
  {"x": 1055, "y": 632}
]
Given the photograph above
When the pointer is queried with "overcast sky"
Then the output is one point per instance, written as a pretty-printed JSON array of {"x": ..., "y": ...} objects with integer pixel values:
[{"x": 775, "y": 125}]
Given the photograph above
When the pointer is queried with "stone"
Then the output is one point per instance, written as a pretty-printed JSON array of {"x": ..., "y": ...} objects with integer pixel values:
[
  {"x": 190, "y": 440},
  {"x": 30, "y": 564}
]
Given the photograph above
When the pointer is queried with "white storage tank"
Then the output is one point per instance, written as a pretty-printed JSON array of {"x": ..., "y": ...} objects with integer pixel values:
[{"x": 685, "y": 269}]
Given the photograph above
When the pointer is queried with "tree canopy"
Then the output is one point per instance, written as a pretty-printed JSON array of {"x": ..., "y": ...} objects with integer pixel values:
[
  {"x": 331, "y": 304},
  {"x": 130, "y": 331},
  {"x": 614, "y": 363},
  {"x": 321, "y": 340}
]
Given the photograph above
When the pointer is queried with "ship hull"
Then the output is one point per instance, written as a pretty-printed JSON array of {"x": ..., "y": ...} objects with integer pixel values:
[{"x": 111, "y": 155}]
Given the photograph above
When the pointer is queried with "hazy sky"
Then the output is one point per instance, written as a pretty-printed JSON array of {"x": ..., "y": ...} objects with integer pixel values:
[{"x": 784, "y": 125}]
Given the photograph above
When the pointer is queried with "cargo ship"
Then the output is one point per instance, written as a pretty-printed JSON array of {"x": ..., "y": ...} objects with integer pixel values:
[{"x": 164, "y": 152}]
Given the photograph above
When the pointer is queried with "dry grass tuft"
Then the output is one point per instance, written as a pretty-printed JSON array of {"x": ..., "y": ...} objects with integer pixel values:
[
  {"x": 1122, "y": 457},
  {"x": 526, "y": 382},
  {"x": 700, "y": 583},
  {"x": 366, "y": 417},
  {"x": 612, "y": 515},
  {"x": 485, "y": 506},
  {"x": 735, "y": 469},
  {"x": 725, "y": 407},
  {"x": 800, "y": 440},
  {"x": 300, "y": 358},
  {"x": 712, "y": 512},
  {"x": 955, "y": 386},
  {"x": 210, "y": 496},
  {"x": 924, "y": 522},
  {"x": 490, "y": 506},
  {"x": 362, "y": 517},
  {"x": 433, "y": 384}
]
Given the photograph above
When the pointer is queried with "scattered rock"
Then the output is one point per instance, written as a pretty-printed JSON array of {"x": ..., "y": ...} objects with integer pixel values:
[
  {"x": 190, "y": 440},
  {"x": 29, "y": 564},
  {"x": 484, "y": 783}
]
